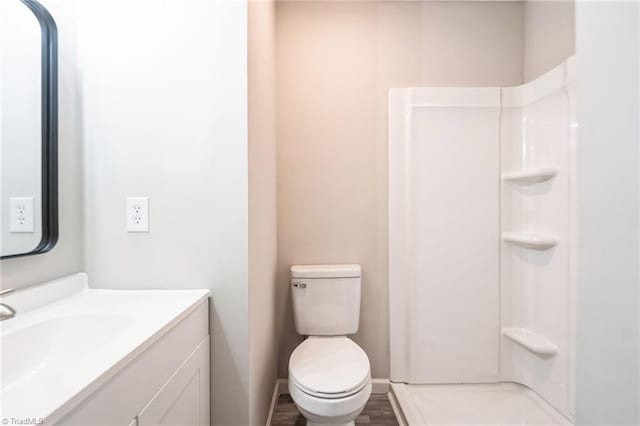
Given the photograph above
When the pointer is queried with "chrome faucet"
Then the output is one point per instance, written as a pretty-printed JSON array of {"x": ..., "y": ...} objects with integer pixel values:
[{"x": 10, "y": 311}]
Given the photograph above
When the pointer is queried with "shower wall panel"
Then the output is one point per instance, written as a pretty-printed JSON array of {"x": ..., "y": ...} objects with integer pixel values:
[
  {"x": 537, "y": 282},
  {"x": 444, "y": 213}
]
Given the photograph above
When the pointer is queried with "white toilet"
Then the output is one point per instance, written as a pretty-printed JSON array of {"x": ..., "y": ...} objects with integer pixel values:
[{"x": 329, "y": 375}]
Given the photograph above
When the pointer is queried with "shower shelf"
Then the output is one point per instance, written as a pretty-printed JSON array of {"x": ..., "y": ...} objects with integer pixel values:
[
  {"x": 530, "y": 176},
  {"x": 530, "y": 340},
  {"x": 531, "y": 241}
]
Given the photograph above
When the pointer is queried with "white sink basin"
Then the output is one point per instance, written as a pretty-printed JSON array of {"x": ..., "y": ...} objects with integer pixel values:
[
  {"x": 61, "y": 342},
  {"x": 67, "y": 337}
]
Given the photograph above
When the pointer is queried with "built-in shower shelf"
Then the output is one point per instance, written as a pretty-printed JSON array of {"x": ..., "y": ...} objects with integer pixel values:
[
  {"x": 532, "y": 341},
  {"x": 531, "y": 241},
  {"x": 530, "y": 176}
]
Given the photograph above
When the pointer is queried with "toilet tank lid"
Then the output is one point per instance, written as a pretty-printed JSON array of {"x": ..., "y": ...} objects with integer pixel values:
[{"x": 326, "y": 271}]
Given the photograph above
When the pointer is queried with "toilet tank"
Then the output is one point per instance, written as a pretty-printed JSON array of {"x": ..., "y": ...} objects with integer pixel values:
[{"x": 326, "y": 299}]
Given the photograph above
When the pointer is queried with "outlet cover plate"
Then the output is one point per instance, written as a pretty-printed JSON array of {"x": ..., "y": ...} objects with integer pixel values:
[
  {"x": 21, "y": 214},
  {"x": 138, "y": 214}
]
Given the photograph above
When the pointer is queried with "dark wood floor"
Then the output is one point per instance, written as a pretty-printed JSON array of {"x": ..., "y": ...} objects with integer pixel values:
[{"x": 377, "y": 412}]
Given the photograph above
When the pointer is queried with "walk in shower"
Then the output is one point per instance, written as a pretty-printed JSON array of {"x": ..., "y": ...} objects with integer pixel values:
[{"x": 481, "y": 251}]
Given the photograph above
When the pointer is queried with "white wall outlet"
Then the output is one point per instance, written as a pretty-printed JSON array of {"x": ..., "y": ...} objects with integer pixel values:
[
  {"x": 21, "y": 214},
  {"x": 138, "y": 214}
]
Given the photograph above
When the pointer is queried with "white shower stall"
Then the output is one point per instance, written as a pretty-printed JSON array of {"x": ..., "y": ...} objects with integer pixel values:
[{"x": 481, "y": 251}]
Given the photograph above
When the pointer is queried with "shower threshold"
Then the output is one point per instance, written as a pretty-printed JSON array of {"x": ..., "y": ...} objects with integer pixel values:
[{"x": 474, "y": 404}]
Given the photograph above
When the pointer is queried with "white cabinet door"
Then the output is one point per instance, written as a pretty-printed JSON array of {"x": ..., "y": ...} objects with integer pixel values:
[{"x": 184, "y": 398}]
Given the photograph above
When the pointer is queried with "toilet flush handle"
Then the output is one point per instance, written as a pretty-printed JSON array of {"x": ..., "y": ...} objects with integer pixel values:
[{"x": 299, "y": 284}]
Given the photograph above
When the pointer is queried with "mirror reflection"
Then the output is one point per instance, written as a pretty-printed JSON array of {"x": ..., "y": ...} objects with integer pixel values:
[{"x": 27, "y": 131}]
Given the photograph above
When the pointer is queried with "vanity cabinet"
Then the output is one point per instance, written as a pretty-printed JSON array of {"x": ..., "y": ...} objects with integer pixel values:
[
  {"x": 184, "y": 398},
  {"x": 164, "y": 383}
]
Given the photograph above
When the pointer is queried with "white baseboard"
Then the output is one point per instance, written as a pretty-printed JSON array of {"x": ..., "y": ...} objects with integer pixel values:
[{"x": 278, "y": 388}]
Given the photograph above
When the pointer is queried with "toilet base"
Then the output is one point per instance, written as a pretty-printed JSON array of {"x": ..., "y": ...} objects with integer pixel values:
[
  {"x": 329, "y": 411},
  {"x": 351, "y": 423},
  {"x": 314, "y": 420}
]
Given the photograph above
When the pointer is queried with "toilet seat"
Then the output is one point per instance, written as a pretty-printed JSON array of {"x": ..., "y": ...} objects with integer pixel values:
[{"x": 329, "y": 367}]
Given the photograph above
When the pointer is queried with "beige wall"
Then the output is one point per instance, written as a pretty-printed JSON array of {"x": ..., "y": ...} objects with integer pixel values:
[
  {"x": 335, "y": 63},
  {"x": 549, "y": 35},
  {"x": 262, "y": 208}
]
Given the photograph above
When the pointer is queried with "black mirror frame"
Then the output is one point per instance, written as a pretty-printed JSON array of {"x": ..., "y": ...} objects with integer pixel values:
[{"x": 49, "y": 75}]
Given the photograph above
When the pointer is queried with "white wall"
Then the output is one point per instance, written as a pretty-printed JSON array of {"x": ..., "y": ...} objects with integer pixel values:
[
  {"x": 165, "y": 116},
  {"x": 67, "y": 256},
  {"x": 263, "y": 347},
  {"x": 335, "y": 63},
  {"x": 608, "y": 342},
  {"x": 549, "y": 35}
]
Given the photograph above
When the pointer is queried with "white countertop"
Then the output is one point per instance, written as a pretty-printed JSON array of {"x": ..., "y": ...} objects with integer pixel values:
[{"x": 66, "y": 336}]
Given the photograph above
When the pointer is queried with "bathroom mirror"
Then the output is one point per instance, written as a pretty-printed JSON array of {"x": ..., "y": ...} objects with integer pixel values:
[{"x": 28, "y": 129}]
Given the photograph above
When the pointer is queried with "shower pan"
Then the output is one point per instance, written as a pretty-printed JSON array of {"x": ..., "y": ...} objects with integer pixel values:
[{"x": 482, "y": 251}]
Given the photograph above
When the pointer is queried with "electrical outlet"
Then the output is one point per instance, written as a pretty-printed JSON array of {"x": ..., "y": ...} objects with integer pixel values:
[
  {"x": 21, "y": 215},
  {"x": 138, "y": 214}
]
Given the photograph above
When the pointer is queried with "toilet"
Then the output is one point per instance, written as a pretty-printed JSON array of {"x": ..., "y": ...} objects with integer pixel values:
[{"x": 329, "y": 374}]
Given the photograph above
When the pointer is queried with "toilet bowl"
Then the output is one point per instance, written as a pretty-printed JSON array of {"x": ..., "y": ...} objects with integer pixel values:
[{"x": 329, "y": 380}]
